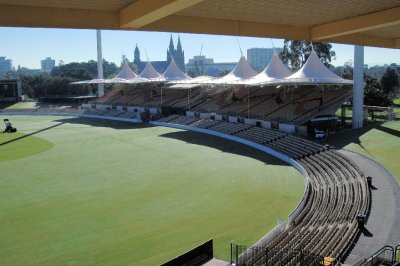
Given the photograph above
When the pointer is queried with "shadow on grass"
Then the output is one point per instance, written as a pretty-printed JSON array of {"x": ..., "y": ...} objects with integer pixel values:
[
  {"x": 28, "y": 135},
  {"x": 95, "y": 122},
  {"x": 223, "y": 145},
  {"x": 4, "y": 105},
  {"x": 342, "y": 139}
]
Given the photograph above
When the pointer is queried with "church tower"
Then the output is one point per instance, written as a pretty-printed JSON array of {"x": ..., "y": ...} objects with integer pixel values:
[
  {"x": 136, "y": 59},
  {"x": 170, "y": 51},
  {"x": 180, "y": 55}
]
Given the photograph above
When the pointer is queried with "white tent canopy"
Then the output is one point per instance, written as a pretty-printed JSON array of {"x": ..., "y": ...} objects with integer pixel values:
[
  {"x": 314, "y": 72},
  {"x": 126, "y": 72},
  {"x": 125, "y": 76},
  {"x": 149, "y": 72},
  {"x": 276, "y": 69},
  {"x": 173, "y": 72},
  {"x": 242, "y": 71}
]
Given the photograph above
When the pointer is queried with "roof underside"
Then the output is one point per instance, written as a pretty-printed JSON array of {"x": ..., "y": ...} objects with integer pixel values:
[{"x": 362, "y": 22}]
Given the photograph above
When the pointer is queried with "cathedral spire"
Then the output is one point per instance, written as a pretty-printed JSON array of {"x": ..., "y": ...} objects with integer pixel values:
[
  {"x": 179, "y": 46},
  {"x": 136, "y": 59},
  {"x": 171, "y": 44}
]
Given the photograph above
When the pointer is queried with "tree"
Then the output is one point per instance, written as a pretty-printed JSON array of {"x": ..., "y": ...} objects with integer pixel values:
[
  {"x": 374, "y": 93},
  {"x": 295, "y": 53},
  {"x": 85, "y": 70},
  {"x": 389, "y": 81}
]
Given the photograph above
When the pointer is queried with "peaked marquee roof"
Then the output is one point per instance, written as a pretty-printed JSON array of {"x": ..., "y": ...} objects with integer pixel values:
[
  {"x": 276, "y": 69},
  {"x": 173, "y": 72},
  {"x": 149, "y": 72},
  {"x": 242, "y": 71},
  {"x": 315, "y": 72}
]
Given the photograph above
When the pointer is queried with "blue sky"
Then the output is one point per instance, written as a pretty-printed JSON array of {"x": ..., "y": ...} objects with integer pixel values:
[{"x": 27, "y": 46}]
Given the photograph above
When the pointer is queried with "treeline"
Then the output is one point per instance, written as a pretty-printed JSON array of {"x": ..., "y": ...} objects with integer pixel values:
[
  {"x": 377, "y": 92},
  {"x": 57, "y": 83}
]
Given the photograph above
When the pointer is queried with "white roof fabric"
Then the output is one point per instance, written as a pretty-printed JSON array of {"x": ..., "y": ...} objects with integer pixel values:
[
  {"x": 126, "y": 73},
  {"x": 196, "y": 80},
  {"x": 276, "y": 69},
  {"x": 149, "y": 72},
  {"x": 314, "y": 72},
  {"x": 242, "y": 71},
  {"x": 125, "y": 76},
  {"x": 173, "y": 72}
]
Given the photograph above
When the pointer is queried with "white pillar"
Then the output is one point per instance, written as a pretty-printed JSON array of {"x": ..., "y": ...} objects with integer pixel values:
[
  {"x": 100, "y": 90},
  {"x": 358, "y": 87}
]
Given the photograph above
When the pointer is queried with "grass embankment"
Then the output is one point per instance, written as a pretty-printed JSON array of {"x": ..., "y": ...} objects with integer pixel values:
[
  {"x": 380, "y": 143},
  {"x": 113, "y": 193}
]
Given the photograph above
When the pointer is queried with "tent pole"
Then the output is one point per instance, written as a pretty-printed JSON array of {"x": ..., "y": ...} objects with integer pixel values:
[
  {"x": 100, "y": 90},
  {"x": 189, "y": 98},
  {"x": 248, "y": 102}
]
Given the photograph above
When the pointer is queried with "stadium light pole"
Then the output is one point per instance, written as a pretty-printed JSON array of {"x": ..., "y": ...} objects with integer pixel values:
[
  {"x": 100, "y": 87},
  {"x": 358, "y": 87}
]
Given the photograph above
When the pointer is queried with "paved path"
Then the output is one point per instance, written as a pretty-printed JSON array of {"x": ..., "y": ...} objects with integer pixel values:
[
  {"x": 383, "y": 225},
  {"x": 216, "y": 262}
]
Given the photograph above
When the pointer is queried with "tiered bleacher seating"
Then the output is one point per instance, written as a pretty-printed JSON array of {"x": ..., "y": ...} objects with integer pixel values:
[
  {"x": 337, "y": 194},
  {"x": 295, "y": 105}
]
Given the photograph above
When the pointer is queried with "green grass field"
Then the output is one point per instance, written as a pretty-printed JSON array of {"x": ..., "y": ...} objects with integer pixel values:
[
  {"x": 380, "y": 143},
  {"x": 86, "y": 192}
]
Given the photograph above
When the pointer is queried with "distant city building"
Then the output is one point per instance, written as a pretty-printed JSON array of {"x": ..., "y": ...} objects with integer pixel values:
[
  {"x": 178, "y": 54},
  {"x": 260, "y": 57},
  {"x": 200, "y": 65},
  {"x": 5, "y": 64},
  {"x": 47, "y": 64}
]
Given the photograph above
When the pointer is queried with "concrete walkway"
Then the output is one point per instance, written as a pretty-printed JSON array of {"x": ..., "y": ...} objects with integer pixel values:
[
  {"x": 216, "y": 262},
  {"x": 383, "y": 225}
]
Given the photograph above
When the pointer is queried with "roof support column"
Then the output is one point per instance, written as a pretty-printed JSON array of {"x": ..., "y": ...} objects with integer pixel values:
[
  {"x": 358, "y": 87},
  {"x": 100, "y": 90}
]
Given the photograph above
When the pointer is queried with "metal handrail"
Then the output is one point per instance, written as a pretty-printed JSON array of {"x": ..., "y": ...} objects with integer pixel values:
[{"x": 371, "y": 260}]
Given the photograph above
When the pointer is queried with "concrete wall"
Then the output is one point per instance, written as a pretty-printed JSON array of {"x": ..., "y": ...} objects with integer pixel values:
[
  {"x": 154, "y": 111},
  {"x": 287, "y": 128},
  {"x": 266, "y": 124},
  {"x": 131, "y": 109},
  {"x": 233, "y": 119},
  {"x": 218, "y": 117},
  {"x": 87, "y": 106},
  {"x": 190, "y": 114},
  {"x": 103, "y": 106},
  {"x": 205, "y": 115}
]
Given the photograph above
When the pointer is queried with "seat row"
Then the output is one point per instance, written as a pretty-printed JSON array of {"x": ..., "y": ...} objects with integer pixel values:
[{"x": 337, "y": 193}]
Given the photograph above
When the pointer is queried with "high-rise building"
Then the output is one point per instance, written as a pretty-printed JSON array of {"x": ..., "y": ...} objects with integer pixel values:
[
  {"x": 260, "y": 57},
  {"x": 5, "y": 64},
  {"x": 200, "y": 65},
  {"x": 48, "y": 64}
]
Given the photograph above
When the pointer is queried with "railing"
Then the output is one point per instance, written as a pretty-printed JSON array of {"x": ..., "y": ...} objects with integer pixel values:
[
  {"x": 397, "y": 254},
  {"x": 384, "y": 255},
  {"x": 243, "y": 255}
]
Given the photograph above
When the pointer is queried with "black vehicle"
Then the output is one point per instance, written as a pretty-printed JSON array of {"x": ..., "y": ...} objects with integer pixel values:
[{"x": 9, "y": 127}]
